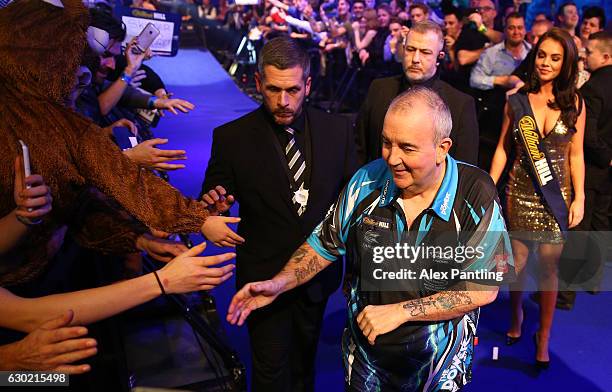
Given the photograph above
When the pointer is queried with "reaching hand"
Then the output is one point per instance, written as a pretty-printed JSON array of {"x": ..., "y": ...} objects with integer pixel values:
[
  {"x": 252, "y": 296},
  {"x": 215, "y": 229},
  {"x": 146, "y": 154},
  {"x": 160, "y": 249},
  {"x": 375, "y": 320},
  {"x": 34, "y": 202},
  {"x": 216, "y": 201},
  {"x": 53, "y": 346},
  {"x": 173, "y": 104},
  {"x": 188, "y": 273}
]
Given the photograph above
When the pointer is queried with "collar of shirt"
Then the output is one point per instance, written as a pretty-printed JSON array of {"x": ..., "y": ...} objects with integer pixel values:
[
  {"x": 298, "y": 125},
  {"x": 526, "y": 48},
  {"x": 445, "y": 197}
]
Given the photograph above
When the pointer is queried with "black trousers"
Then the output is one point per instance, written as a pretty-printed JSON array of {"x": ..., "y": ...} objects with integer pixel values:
[
  {"x": 585, "y": 252},
  {"x": 284, "y": 342}
]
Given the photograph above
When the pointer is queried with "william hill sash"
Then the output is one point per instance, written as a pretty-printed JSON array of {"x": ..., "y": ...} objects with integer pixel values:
[{"x": 546, "y": 183}]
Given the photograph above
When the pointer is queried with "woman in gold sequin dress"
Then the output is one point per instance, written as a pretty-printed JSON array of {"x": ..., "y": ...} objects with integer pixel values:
[{"x": 560, "y": 116}]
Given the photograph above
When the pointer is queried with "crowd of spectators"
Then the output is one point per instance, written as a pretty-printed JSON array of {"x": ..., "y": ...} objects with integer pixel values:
[
  {"x": 97, "y": 191},
  {"x": 366, "y": 37},
  {"x": 473, "y": 57}
]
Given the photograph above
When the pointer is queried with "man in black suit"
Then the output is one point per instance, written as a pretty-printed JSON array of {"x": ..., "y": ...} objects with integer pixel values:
[
  {"x": 597, "y": 93},
  {"x": 285, "y": 165},
  {"x": 421, "y": 53}
]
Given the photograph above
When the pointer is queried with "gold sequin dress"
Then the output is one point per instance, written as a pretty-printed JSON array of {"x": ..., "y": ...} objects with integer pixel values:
[{"x": 527, "y": 215}]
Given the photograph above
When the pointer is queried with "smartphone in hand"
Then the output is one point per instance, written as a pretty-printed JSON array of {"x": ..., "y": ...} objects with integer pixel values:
[
  {"x": 25, "y": 153},
  {"x": 27, "y": 171},
  {"x": 145, "y": 38}
]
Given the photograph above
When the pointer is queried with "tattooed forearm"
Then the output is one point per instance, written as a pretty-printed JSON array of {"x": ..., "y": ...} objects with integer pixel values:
[
  {"x": 452, "y": 299},
  {"x": 313, "y": 266},
  {"x": 417, "y": 307},
  {"x": 438, "y": 304},
  {"x": 301, "y": 267},
  {"x": 299, "y": 254}
]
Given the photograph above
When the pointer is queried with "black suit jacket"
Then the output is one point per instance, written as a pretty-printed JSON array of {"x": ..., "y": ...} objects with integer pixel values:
[
  {"x": 597, "y": 93},
  {"x": 245, "y": 160},
  {"x": 369, "y": 125}
]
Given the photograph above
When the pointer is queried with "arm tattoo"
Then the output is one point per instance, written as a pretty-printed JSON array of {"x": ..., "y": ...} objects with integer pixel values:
[
  {"x": 313, "y": 266},
  {"x": 299, "y": 254},
  {"x": 417, "y": 307},
  {"x": 446, "y": 300}
]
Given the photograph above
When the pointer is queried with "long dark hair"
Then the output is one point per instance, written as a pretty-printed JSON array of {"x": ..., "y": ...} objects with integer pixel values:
[{"x": 564, "y": 85}]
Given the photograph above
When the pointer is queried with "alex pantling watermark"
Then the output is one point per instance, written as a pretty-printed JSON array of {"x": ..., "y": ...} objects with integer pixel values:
[{"x": 432, "y": 274}]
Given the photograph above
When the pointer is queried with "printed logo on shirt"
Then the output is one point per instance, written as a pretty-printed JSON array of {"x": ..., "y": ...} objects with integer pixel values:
[
  {"x": 383, "y": 196},
  {"x": 376, "y": 222},
  {"x": 444, "y": 205}
]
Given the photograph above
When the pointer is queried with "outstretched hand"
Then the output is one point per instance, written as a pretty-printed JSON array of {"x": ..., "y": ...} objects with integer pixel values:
[
  {"x": 215, "y": 229},
  {"x": 53, "y": 346},
  {"x": 250, "y": 297},
  {"x": 174, "y": 104},
  {"x": 148, "y": 155},
  {"x": 188, "y": 272}
]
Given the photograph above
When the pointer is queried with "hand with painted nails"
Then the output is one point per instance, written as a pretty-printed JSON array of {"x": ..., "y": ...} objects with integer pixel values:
[{"x": 217, "y": 201}]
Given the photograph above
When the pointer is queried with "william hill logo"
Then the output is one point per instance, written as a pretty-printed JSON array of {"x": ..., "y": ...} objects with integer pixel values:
[
  {"x": 373, "y": 222},
  {"x": 531, "y": 137}
]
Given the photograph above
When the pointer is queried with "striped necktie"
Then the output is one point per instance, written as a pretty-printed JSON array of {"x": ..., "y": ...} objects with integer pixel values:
[{"x": 297, "y": 169}]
